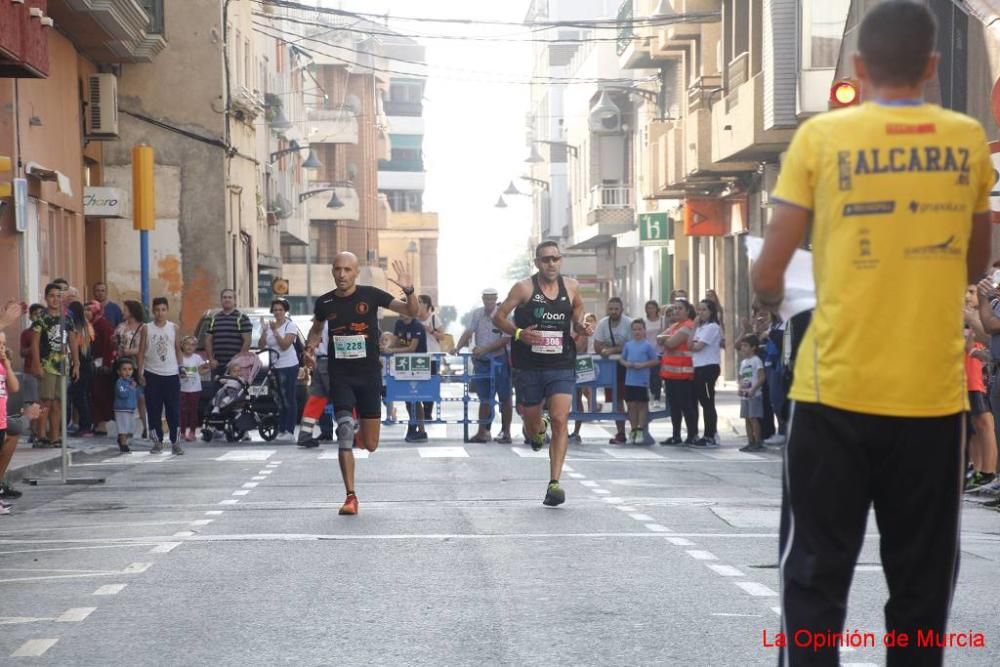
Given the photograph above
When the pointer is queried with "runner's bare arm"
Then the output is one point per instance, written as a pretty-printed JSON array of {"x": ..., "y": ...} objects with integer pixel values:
[
  {"x": 580, "y": 327},
  {"x": 784, "y": 234},
  {"x": 519, "y": 294},
  {"x": 315, "y": 335},
  {"x": 977, "y": 261}
]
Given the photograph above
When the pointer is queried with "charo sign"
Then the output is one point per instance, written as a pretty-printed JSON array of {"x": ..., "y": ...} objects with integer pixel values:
[{"x": 100, "y": 202}]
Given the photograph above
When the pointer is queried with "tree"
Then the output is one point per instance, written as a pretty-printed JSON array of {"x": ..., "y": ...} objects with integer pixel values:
[
  {"x": 520, "y": 268},
  {"x": 448, "y": 314}
]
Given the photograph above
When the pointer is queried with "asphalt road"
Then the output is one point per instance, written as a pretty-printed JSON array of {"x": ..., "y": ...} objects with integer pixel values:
[{"x": 235, "y": 555}]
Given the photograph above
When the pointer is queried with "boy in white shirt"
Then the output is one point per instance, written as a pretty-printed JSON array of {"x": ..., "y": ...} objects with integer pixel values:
[{"x": 751, "y": 400}]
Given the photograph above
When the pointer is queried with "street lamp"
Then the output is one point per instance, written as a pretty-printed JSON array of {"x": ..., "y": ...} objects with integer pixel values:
[
  {"x": 335, "y": 201},
  {"x": 311, "y": 161},
  {"x": 536, "y": 157}
]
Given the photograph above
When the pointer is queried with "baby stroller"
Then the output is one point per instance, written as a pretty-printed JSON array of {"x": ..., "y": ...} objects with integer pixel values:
[{"x": 244, "y": 402}]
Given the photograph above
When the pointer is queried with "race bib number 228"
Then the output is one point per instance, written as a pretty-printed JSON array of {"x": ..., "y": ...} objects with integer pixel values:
[{"x": 349, "y": 347}]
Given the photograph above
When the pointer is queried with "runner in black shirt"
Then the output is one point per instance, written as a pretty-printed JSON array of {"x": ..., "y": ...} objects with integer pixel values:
[
  {"x": 351, "y": 313},
  {"x": 547, "y": 310}
]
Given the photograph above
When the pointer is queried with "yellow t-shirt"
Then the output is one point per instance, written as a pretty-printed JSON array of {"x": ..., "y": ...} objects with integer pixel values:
[{"x": 893, "y": 190}]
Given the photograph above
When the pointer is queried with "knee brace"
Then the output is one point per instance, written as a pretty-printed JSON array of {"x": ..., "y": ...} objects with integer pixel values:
[{"x": 346, "y": 427}]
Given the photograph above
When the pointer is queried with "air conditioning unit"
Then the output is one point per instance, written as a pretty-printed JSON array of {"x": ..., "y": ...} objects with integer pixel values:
[{"x": 102, "y": 109}]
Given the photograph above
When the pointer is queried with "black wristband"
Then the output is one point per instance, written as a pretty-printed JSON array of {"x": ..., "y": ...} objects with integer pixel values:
[{"x": 408, "y": 292}]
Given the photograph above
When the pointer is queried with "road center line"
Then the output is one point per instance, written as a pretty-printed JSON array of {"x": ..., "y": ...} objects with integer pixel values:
[
  {"x": 241, "y": 492},
  {"x": 656, "y": 528},
  {"x": 231, "y": 501},
  {"x": 701, "y": 555},
  {"x": 202, "y": 522},
  {"x": 213, "y": 513},
  {"x": 184, "y": 533},
  {"x": 589, "y": 484},
  {"x": 601, "y": 492},
  {"x": 641, "y": 517},
  {"x": 258, "y": 478},
  {"x": 164, "y": 548},
  {"x": 725, "y": 570},
  {"x": 251, "y": 485}
]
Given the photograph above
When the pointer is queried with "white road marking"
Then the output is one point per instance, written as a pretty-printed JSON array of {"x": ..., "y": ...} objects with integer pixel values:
[
  {"x": 202, "y": 522},
  {"x": 213, "y": 513},
  {"x": 110, "y": 589},
  {"x": 258, "y": 478},
  {"x": 566, "y": 468},
  {"x": 589, "y": 483},
  {"x": 251, "y": 485},
  {"x": 332, "y": 454},
  {"x": 576, "y": 475},
  {"x": 275, "y": 463},
  {"x": 242, "y": 492},
  {"x": 867, "y": 568},
  {"x": 526, "y": 453},
  {"x": 613, "y": 501},
  {"x": 631, "y": 454},
  {"x": 856, "y": 664},
  {"x": 642, "y": 517},
  {"x": 265, "y": 471},
  {"x": 725, "y": 570},
  {"x": 731, "y": 455},
  {"x": 443, "y": 452},
  {"x": 137, "y": 568},
  {"x": 164, "y": 548},
  {"x": 737, "y": 615},
  {"x": 248, "y": 455},
  {"x": 75, "y": 615},
  {"x": 656, "y": 528},
  {"x": 231, "y": 501},
  {"x": 755, "y": 589},
  {"x": 601, "y": 492},
  {"x": 184, "y": 533},
  {"x": 34, "y": 648},
  {"x": 626, "y": 508},
  {"x": 776, "y": 610},
  {"x": 21, "y": 620},
  {"x": 701, "y": 555}
]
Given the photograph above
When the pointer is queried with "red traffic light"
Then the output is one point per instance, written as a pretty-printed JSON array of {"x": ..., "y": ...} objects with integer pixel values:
[{"x": 844, "y": 93}]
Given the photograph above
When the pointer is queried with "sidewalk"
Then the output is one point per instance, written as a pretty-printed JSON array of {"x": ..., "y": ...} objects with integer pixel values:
[{"x": 29, "y": 462}]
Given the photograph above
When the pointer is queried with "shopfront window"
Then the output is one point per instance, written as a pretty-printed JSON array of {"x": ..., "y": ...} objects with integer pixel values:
[{"x": 822, "y": 31}]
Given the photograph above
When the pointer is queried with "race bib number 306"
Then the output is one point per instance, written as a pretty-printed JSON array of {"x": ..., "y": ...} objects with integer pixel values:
[
  {"x": 349, "y": 347},
  {"x": 553, "y": 343}
]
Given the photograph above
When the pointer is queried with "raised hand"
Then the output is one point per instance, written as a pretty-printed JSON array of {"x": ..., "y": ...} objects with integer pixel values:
[
  {"x": 11, "y": 311},
  {"x": 403, "y": 279}
]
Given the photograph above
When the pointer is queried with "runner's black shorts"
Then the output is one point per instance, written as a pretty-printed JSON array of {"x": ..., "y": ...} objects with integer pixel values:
[
  {"x": 361, "y": 393},
  {"x": 977, "y": 403}
]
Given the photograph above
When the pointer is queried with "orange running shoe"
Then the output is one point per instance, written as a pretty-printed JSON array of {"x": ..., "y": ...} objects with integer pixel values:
[{"x": 350, "y": 506}]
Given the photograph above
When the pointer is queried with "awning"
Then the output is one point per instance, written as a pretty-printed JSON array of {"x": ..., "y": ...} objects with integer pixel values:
[
  {"x": 987, "y": 11},
  {"x": 45, "y": 174}
]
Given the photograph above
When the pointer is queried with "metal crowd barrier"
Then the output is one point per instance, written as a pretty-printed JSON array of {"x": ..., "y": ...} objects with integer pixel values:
[{"x": 409, "y": 378}]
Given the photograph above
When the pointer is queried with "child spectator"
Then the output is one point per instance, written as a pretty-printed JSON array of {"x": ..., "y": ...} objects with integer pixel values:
[
  {"x": 638, "y": 356},
  {"x": 751, "y": 398},
  {"x": 29, "y": 381},
  {"x": 126, "y": 402},
  {"x": 8, "y": 383},
  {"x": 982, "y": 438},
  {"x": 192, "y": 366}
]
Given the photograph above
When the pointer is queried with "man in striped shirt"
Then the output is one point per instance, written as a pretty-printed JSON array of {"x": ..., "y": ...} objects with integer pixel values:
[{"x": 228, "y": 334}]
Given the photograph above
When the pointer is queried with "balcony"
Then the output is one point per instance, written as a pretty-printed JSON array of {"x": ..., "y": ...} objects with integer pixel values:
[
  {"x": 316, "y": 206},
  {"x": 24, "y": 41},
  {"x": 409, "y": 109},
  {"x": 112, "y": 32},
  {"x": 738, "y": 125},
  {"x": 611, "y": 212},
  {"x": 668, "y": 39},
  {"x": 632, "y": 46},
  {"x": 332, "y": 126},
  {"x": 402, "y": 180}
]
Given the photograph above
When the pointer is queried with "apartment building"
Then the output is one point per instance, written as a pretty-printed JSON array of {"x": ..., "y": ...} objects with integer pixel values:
[{"x": 58, "y": 121}]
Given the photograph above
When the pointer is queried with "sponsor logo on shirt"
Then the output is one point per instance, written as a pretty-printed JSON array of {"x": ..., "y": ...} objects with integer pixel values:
[
  {"x": 945, "y": 249},
  {"x": 905, "y": 128},
  {"x": 869, "y": 208},
  {"x": 538, "y": 298},
  {"x": 904, "y": 160},
  {"x": 542, "y": 314},
  {"x": 936, "y": 207},
  {"x": 361, "y": 308}
]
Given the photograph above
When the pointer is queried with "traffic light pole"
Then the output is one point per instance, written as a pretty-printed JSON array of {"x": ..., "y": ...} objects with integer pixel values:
[{"x": 144, "y": 266}]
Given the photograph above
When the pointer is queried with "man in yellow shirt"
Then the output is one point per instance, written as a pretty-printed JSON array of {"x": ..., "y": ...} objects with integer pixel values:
[{"x": 896, "y": 194}]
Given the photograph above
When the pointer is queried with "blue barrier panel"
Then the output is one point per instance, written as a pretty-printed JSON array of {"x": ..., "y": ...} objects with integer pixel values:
[{"x": 605, "y": 378}]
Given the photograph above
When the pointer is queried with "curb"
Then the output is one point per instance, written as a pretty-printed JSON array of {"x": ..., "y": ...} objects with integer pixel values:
[{"x": 39, "y": 468}]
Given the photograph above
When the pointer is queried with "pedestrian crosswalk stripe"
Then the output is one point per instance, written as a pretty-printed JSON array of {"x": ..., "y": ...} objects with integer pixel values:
[
  {"x": 443, "y": 453},
  {"x": 755, "y": 589},
  {"x": 730, "y": 455},
  {"x": 34, "y": 648},
  {"x": 247, "y": 455},
  {"x": 528, "y": 453},
  {"x": 335, "y": 454},
  {"x": 636, "y": 454}
]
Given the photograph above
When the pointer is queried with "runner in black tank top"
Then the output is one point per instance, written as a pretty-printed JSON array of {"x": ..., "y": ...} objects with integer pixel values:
[
  {"x": 553, "y": 318},
  {"x": 350, "y": 316},
  {"x": 547, "y": 308}
]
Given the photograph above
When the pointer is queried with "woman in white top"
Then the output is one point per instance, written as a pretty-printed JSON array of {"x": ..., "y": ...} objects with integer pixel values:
[
  {"x": 707, "y": 357},
  {"x": 279, "y": 335},
  {"x": 654, "y": 325},
  {"x": 159, "y": 372}
]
